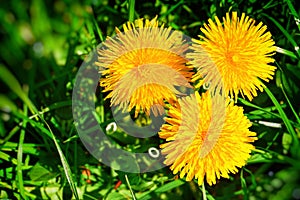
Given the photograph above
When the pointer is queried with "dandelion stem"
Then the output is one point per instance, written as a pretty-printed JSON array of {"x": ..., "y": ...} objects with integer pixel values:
[{"x": 203, "y": 192}]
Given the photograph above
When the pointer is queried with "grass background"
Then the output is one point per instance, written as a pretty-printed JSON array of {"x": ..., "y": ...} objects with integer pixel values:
[{"x": 43, "y": 43}]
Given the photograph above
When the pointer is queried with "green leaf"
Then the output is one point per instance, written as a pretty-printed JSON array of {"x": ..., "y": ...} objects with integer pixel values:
[
  {"x": 120, "y": 195},
  {"x": 51, "y": 191},
  {"x": 40, "y": 173}
]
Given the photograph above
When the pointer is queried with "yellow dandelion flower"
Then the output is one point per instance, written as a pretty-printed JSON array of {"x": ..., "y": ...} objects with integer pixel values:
[
  {"x": 240, "y": 55},
  {"x": 211, "y": 146},
  {"x": 144, "y": 66}
]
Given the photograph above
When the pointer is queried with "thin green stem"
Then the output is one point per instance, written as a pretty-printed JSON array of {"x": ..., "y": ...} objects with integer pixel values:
[
  {"x": 128, "y": 184},
  {"x": 275, "y": 157},
  {"x": 203, "y": 192}
]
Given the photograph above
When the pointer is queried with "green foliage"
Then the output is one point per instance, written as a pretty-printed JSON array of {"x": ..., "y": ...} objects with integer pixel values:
[{"x": 43, "y": 44}]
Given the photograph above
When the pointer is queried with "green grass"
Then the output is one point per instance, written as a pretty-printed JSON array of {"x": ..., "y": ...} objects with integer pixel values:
[{"x": 43, "y": 44}]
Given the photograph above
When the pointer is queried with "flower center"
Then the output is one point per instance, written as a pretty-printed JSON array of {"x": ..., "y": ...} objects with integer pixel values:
[
  {"x": 232, "y": 57},
  {"x": 235, "y": 58}
]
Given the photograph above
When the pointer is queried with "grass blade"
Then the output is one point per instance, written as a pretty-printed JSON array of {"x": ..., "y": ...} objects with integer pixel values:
[
  {"x": 14, "y": 85},
  {"x": 64, "y": 162},
  {"x": 9, "y": 79},
  {"x": 8, "y": 158},
  {"x": 128, "y": 184},
  {"x": 131, "y": 8},
  {"x": 170, "y": 186},
  {"x": 20, "y": 159},
  {"x": 286, "y": 52},
  {"x": 295, "y": 144},
  {"x": 290, "y": 104},
  {"x": 99, "y": 32},
  {"x": 172, "y": 9},
  {"x": 294, "y": 13},
  {"x": 287, "y": 35}
]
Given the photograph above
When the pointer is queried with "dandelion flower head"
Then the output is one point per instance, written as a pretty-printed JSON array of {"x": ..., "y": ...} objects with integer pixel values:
[
  {"x": 143, "y": 66},
  {"x": 240, "y": 53},
  {"x": 186, "y": 138}
]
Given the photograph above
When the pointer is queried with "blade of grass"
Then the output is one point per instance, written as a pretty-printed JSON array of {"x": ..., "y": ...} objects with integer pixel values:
[
  {"x": 90, "y": 29},
  {"x": 285, "y": 52},
  {"x": 10, "y": 134},
  {"x": 52, "y": 107},
  {"x": 244, "y": 185},
  {"x": 6, "y": 103},
  {"x": 14, "y": 85},
  {"x": 10, "y": 187},
  {"x": 75, "y": 159},
  {"x": 129, "y": 186},
  {"x": 289, "y": 103},
  {"x": 294, "y": 13},
  {"x": 266, "y": 110},
  {"x": 98, "y": 29},
  {"x": 287, "y": 35},
  {"x": 28, "y": 148},
  {"x": 253, "y": 177},
  {"x": 172, "y": 9},
  {"x": 33, "y": 123},
  {"x": 282, "y": 114},
  {"x": 273, "y": 140},
  {"x": 8, "y": 158},
  {"x": 247, "y": 103},
  {"x": 268, "y": 156},
  {"x": 270, "y": 4},
  {"x": 50, "y": 134},
  {"x": 163, "y": 188},
  {"x": 295, "y": 144},
  {"x": 20, "y": 158},
  {"x": 9, "y": 79},
  {"x": 131, "y": 7},
  {"x": 64, "y": 162},
  {"x": 170, "y": 186}
]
